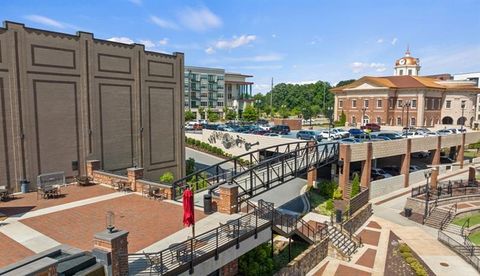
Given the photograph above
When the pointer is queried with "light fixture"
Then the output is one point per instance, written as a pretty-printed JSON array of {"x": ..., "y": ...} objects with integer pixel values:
[{"x": 110, "y": 221}]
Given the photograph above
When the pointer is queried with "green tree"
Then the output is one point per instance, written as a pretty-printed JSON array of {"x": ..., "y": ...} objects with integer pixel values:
[
  {"x": 257, "y": 262},
  {"x": 189, "y": 116},
  {"x": 212, "y": 116},
  {"x": 284, "y": 112},
  {"x": 190, "y": 166},
  {"x": 307, "y": 112},
  {"x": 230, "y": 115},
  {"x": 343, "y": 119},
  {"x": 268, "y": 110},
  {"x": 201, "y": 110},
  {"x": 315, "y": 110},
  {"x": 249, "y": 114},
  {"x": 355, "y": 186}
]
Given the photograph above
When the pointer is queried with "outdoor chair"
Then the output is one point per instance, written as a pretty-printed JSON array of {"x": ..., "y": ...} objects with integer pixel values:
[
  {"x": 230, "y": 229},
  {"x": 179, "y": 252},
  {"x": 5, "y": 193},
  {"x": 146, "y": 191},
  {"x": 154, "y": 262}
]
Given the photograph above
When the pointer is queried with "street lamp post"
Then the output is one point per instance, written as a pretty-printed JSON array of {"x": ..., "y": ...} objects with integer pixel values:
[
  {"x": 427, "y": 175},
  {"x": 364, "y": 109},
  {"x": 462, "y": 118},
  {"x": 329, "y": 115},
  {"x": 407, "y": 105},
  {"x": 257, "y": 103}
]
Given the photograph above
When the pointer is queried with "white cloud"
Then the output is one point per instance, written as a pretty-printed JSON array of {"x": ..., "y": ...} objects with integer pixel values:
[
  {"x": 380, "y": 40},
  {"x": 274, "y": 35},
  {"x": 394, "y": 41},
  {"x": 121, "y": 39},
  {"x": 163, "y": 23},
  {"x": 149, "y": 45},
  {"x": 210, "y": 50},
  {"x": 163, "y": 41},
  {"x": 358, "y": 67},
  {"x": 302, "y": 82},
  {"x": 199, "y": 19},
  {"x": 136, "y": 2},
  {"x": 235, "y": 42},
  {"x": 43, "y": 20}
]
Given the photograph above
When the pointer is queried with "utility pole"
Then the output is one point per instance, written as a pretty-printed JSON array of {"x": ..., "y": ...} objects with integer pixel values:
[{"x": 271, "y": 95}]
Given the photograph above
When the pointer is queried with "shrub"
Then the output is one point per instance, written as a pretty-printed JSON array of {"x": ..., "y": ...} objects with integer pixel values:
[
  {"x": 355, "y": 186},
  {"x": 410, "y": 260},
  {"x": 406, "y": 255},
  {"x": 326, "y": 188},
  {"x": 256, "y": 261},
  {"x": 338, "y": 193},
  {"x": 404, "y": 248},
  {"x": 329, "y": 205},
  {"x": 166, "y": 177}
]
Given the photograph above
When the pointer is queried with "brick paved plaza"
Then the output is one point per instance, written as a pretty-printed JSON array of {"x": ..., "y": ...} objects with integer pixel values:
[{"x": 11, "y": 251}]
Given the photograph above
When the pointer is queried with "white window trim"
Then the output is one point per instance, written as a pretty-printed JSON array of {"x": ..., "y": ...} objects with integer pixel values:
[
  {"x": 381, "y": 101},
  {"x": 446, "y": 106}
]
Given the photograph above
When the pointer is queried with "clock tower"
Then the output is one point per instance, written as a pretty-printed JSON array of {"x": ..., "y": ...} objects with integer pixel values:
[{"x": 407, "y": 65}]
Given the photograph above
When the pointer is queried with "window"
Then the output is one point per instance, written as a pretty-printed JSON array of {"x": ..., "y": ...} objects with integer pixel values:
[
  {"x": 463, "y": 104},
  {"x": 414, "y": 103},
  {"x": 354, "y": 103},
  {"x": 379, "y": 103},
  {"x": 203, "y": 103},
  {"x": 391, "y": 103},
  {"x": 365, "y": 103},
  {"x": 399, "y": 121},
  {"x": 340, "y": 103},
  {"x": 439, "y": 105},
  {"x": 354, "y": 120},
  {"x": 409, "y": 72},
  {"x": 401, "y": 72},
  {"x": 379, "y": 120},
  {"x": 413, "y": 121},
  {"x": 219, "y": 103},
  {"x": 399, "y": 103},
  {"x": 448, "y": 104},
  {"x": 433, "y": 104}
]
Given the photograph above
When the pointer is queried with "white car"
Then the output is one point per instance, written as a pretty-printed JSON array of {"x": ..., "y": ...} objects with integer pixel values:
[
  {"x": 444, "y": 132},
  {"x": 265, "y": 127},
  {"x": 326, "y": 135},
  {"x": 342, "y": 132}
]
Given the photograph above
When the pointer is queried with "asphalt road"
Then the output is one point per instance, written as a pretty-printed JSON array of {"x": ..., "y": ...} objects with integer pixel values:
[{"x": 285, "y": 196}]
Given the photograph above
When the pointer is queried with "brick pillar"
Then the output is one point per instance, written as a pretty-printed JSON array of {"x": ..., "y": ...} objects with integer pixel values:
[
  {"x": 228, "y": 199},
  {"x": 344, "y": 172},
  {"x": 461, "y": 151},
  {"x": 434, "y": 178},
  {"x": 367, "y": 167},
  {"x": 133, "y": 175},
  {"x": 471, "y": 174},
  {"x": 92, "y": 165},
  {"x": 114, "y": 244},
  {"x": 436, "y": 155},
  {"x": 405, "y": 166},
  {"x": 311, "y": 176},
  {"x": 230, "y": 269}
]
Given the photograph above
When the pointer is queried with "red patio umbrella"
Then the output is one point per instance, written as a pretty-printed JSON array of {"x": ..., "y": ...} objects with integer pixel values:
[{"x": 188, "y": 210}]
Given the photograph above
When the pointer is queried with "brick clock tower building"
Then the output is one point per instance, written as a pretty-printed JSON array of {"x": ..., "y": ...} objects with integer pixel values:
[{"x": 406, "y": 99}]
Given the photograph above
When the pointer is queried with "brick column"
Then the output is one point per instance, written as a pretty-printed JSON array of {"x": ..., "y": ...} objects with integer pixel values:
[
  {"x": 367, "y": 167},
  {"x": 228, "y": 199},
  {"x": 344, "y": 172},
  {"x": 311, "y": 176},
  {"x": 133, "y": 175},
  {"x": 405, "y": 168},
  {"x": 461, "y": 151},
  {"x": 112, "y": 249},
  {"x": 471, "y": 174},
  {"x": 92, "y": 165},
  {"x": 436, "y": 155},
  {"x": 434, "y": 178},
  {"x": 230, "y": 269}
]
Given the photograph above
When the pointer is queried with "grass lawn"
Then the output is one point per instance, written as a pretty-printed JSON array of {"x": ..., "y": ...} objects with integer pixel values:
[
  {"x": 475, "y": 238},
  {"x": 474, "y": 219},
  {"x": 470, "y": 154}
]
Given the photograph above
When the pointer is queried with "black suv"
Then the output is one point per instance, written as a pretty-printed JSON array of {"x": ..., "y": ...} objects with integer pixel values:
[{"x": 280, "y": 129}]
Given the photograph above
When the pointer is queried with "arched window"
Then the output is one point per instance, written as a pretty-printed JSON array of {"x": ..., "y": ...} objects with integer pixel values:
[
  {"x": 447, "y": 121},
  {"x": 366, "y": 119},
  {"x": 461, "y": 121}
]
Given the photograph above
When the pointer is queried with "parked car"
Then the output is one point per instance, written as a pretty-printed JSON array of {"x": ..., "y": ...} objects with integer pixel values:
[
  {"x": 272, "y": 134},
  {"x": 193, "y": 126},
  {"x": 280, "y": 129},
  {"x": 446, "y": 160},
  {"x": 443, "y": 132},
  {"x": 372, "y": 127},
  {"x": 341, "y": 132},
  {"x": 390, "y": 135},
  {"x": 414, "y": 168},
  {"x": 420, "y": 154},
  {"x": 392, "y": 170},
  {"x": 380, "y": 172},
  {"x": 309, "y": 135},
  {"x": 326, "y": 134},
  {"x": 210, "y": 126},
  {"x": 423, "y": 129},
  {"x": 350, "y": 140},
  {"x": 355, "y": 132}
]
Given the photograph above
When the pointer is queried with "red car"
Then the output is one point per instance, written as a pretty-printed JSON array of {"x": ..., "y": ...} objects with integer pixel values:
[{"x": 372, "y": 127}]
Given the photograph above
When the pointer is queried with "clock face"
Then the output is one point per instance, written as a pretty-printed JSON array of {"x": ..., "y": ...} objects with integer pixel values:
[{"x": 402, "y": 61}]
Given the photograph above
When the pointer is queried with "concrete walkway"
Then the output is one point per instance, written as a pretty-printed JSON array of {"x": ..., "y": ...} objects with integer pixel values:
[{"x": 28, "y": 237}]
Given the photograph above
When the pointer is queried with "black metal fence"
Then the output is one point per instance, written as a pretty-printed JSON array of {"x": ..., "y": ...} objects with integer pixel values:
[
  {"x": 357, "y": 202},
  {"x": 447, "y": 189},
  {"x": 466, "y": 252}
]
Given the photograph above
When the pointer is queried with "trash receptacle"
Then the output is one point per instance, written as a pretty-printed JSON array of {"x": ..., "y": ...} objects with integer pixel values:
[
  {"x": 207, "y": 203},
  {"x": 338, "y": 216},
  {"x": 24, "y": 185},
  {"x": 408, "y": 212}
]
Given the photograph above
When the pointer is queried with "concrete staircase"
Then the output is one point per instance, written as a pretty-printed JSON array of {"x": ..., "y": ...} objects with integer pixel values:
[
  {"x": 436, "y": 218},
  {"x": 454, "y": 229},
  {"x": 342, "y": 241}
]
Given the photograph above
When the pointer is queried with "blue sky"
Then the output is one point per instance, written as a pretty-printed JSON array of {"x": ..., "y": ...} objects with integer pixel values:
[{"x": 291, "y": 41}]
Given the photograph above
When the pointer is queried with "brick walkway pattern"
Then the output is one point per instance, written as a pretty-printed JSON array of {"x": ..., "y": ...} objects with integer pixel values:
[
  {"x": 11, "y": 251},
  {"x": 147, "y": 220}
]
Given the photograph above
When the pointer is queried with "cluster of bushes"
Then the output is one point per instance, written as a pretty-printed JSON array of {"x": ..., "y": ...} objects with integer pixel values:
[
  {"x": 257, "y": 261},
  {"x": 407, "y": 255},
  {"x": 166, "y": 178},
  {"x": 330, "y": 191},
  {"x": 206, "y": 147}
]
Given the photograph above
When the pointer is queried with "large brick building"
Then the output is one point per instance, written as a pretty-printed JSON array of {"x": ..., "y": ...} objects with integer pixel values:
[
  {"x": 407, "y": 99},
  {"x": 65, "y": 99}
]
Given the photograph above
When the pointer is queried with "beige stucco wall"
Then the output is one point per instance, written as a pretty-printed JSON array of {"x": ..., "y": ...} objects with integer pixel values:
[{"x": 67, "y": 98}]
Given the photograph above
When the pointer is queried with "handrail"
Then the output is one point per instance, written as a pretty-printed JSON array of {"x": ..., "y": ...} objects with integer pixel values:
[
  {"x": 454, "y": 245},
  {"x": 466, "y": 224},
  {"x": 446, "y": 219}
]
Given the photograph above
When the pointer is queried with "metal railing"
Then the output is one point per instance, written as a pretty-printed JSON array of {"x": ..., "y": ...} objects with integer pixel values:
[
  {"x": 465, "y": 224},
  {"x": 183, "y": 256},
  {"x": 460, "y": 249},
  {"x": 449, "y": 216},
  {"x": 447, "y": 189},
  {"x": 358, "y": 201}
]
